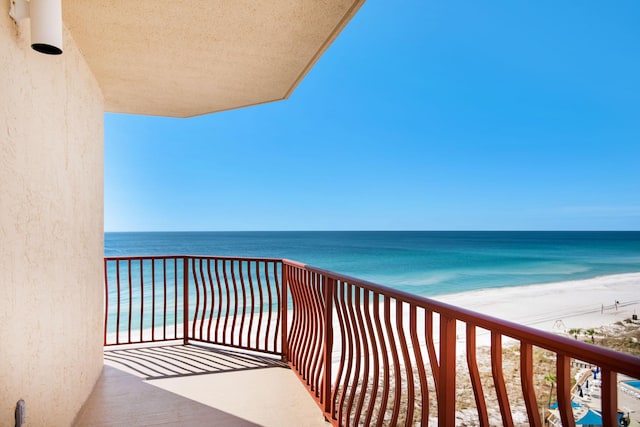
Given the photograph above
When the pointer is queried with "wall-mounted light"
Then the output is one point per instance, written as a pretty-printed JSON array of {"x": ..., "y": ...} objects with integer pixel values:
[{"x": 46, "y": 23}]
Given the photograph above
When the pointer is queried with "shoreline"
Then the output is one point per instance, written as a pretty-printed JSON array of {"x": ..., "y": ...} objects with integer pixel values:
[{"x": 560, "y": 306}]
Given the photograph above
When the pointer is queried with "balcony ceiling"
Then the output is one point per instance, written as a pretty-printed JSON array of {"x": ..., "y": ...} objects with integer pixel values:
[{"x": 185, "y": 58}]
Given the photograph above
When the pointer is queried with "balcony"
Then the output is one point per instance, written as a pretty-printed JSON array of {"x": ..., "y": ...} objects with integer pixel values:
[{"x": 225, "y": 338}]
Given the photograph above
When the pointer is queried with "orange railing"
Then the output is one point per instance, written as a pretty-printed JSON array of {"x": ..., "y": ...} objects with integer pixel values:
[
  {"x": 218, "y": 300},
  {"x": 369, "y": 355}
]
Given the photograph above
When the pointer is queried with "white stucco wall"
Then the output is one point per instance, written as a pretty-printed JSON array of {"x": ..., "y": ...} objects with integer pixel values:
[{"x": 51, "y": 229}]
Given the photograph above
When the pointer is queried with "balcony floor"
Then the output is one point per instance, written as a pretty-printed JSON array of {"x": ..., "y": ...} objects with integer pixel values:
[{"x": 176, "y": 385}]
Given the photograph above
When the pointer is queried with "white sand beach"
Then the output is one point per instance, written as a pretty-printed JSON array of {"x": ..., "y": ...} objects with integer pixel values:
[{"x": 558, "y": 307}]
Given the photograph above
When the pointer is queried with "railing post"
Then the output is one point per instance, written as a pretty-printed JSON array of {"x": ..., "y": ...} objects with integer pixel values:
[
  {"x": 106, "y": 301},
  {"x": 284, "y": 309},
  {"x": 185, "y": 300},
  {"x": 328, "y": 290},
  {"x": 528, "y": 386},
  {"x": 447, "y": 373},
  {"x": 609, "y": 397}
]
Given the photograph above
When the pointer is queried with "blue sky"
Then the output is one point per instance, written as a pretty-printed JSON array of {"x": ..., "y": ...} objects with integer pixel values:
[{"x": 423, "y": 115}]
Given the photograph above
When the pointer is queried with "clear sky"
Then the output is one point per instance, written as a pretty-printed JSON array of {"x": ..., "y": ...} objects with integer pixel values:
[{"x": 422, "y": 115}]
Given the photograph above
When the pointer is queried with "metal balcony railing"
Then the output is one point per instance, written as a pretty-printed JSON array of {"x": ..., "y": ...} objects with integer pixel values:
[{"x": 368, "y": 354}]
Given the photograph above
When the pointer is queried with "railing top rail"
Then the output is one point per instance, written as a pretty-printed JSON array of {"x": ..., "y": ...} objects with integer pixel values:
[
  {"x": 624, "y": 363},
  {"x": 220, "y": 257}
]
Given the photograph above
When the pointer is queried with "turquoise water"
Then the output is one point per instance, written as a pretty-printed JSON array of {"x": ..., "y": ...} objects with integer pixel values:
[
  {"x": 424, "y": 263},
  {"x": 635, "y": 384}
]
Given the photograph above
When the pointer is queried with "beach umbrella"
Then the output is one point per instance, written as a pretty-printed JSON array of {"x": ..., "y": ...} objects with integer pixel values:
[{"x": 591, "y": 418}]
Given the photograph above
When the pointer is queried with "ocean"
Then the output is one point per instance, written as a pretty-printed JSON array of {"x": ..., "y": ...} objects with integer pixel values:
[{"x": 425, "y": 263}]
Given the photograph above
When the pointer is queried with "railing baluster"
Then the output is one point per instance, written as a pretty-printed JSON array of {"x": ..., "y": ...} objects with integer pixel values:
[
  {"x": 338, "y": 397},
  {"x": 327, "y": 345},
  {"x": 360, "y": 307},
  {"x": 528, "y": 387},
  {"x": 253, "y": 307},
  {"x": 244, "y": 302},
  {"x": 203, "y": 280},
  {"x": 219, "y": 298},
  {"x": 303, "y": 351},
  {"x": 130, "y": 298},
  {"x": 200, "y": 282},
  {"x": 352, "y": 306},
  {"x": 175, "y": 296},
  {"x": 408, "y": 369},
  {"x": 397, "y": 385},
  {"x": 118, "y": 305},
  {"x": 302, "y": 318},
  {"x": 279, "y": 328},
  {"x": 296, "y": 321},
  {"x": 284, "y": 310},
  {"x": 344, "y": 298},
  {"x": 153, "y": 299},
  {"x": 141, "y": 300},
  {"x": 228, "y": 301},
  {"x": 563, "y": 376},
  {"x": 269, "y": 305},
  {"x": 197, "y": 281},
  {"x": 476, "y": 384},
  {"x": 498, "y": 379},
  {"x": 106, "y": 299},
  {"x": 431, "y": 350},
  {"x": 306, "y": 289},
  {"x": 261, "y": 306},
  {"x": 197, "y": 288},
  {"x": 164, "y": 299},
  {"x": 316, "y": 362},
  {"x": 385, "y": 358},
  {"x": 185, "y": 301},
  {"x": 235, "y": 302},
  {"x": 212, "y": 308},
  {"x": 376, "y": 360},
  {"x": 420, "y": 365},
  {"x": 315, "y": 332}
]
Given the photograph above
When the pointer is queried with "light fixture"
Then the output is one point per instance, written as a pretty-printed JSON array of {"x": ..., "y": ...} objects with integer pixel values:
[{"x": 46, "y": 23}]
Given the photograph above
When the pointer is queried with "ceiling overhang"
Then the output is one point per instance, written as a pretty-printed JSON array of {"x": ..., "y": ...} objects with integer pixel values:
[{"x": 185, "y": 58}]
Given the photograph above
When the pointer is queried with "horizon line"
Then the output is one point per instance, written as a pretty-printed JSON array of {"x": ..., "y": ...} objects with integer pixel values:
[{"x": 382, "y": 231}]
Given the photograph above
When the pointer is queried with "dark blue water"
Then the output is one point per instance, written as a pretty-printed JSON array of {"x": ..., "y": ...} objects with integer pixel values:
[{"x": 426, "y": 263}]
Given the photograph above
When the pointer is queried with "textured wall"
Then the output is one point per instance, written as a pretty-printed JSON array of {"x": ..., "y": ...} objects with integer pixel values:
[{"x": 51, "y": 229}]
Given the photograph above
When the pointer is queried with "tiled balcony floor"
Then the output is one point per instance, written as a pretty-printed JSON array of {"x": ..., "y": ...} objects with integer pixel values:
[{"x": 175, "y": 385}]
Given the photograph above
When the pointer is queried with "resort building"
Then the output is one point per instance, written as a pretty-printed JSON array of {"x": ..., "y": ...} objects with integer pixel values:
[{"x": 179, "y": 59}]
